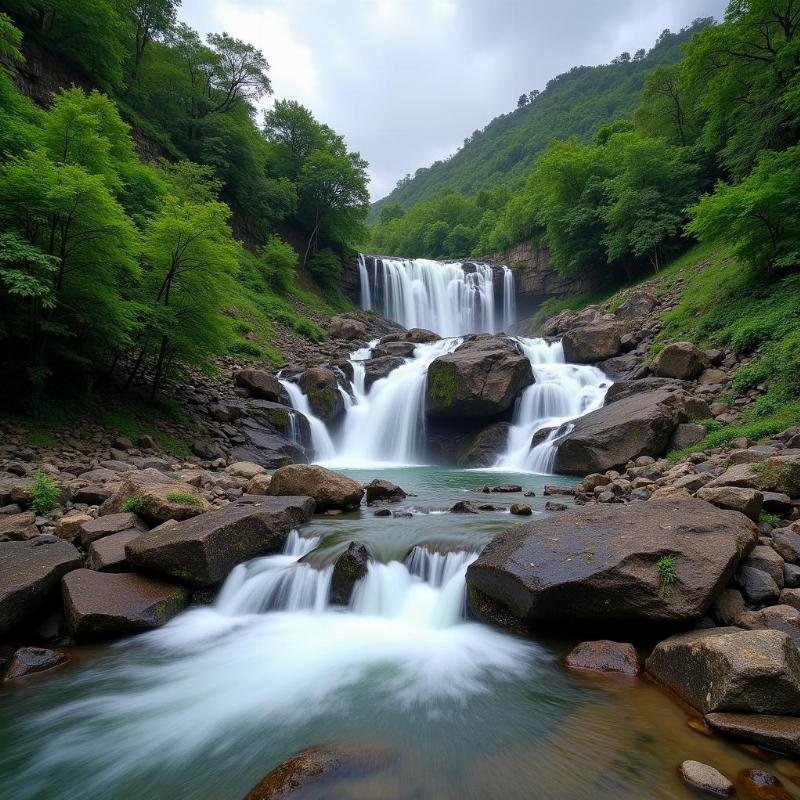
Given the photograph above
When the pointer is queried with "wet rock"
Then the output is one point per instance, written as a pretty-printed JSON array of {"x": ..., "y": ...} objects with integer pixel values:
[
  {"x": 329, "y": 489},
  {"x": 108, "y": 554},
  {"x": 259, "y": 384},
  {"x": 705, "y": 778},
  {"x": 321, "y": 388},
  {"x": 104, "y": 605},
  {"x": 29, "y": 660},
  {"x": 262, "y": 445},
  {"x": 383, "y": 512},
  {"x": 342, "y": 327},
  {"x": 787, "y": 544},
  {"x": 784, "y": 618},
  {"x": 483, "y": 447},
  {"x": 758, "y": 784},
  {"x": 507, "y": 488},
  {"x": 376, "y": 369},
  {"x": 745, "y": 501},
  {"x": 521, "y": 510},
  {"x": 600, "y": 562},
  {"x": 489, "y": 507},
  {"x": 30, "y": 572},
  {"x": 379, "y": 490},
  {"x": 158, "y": 497},
  {"x": 551, "y": 506},
  {"x": 350, "y": 567},
  {"x": 394, "y": 349},
  {"x": 681, "y": 360},
  {"x": 605, "y": 656},
  {"x": 728, "y": 669},
  {"x": 463, "y": 507},
  {"x": 96, "y": 529},
  {"x": 480, "y": 379},
  {"x": 773, "y": 732},
  {"x": 594, "y": 342},
  {"x": 757, "y": 586},
  {"x": 202, "y": 551},
  {"x": 18, "y": 526}
]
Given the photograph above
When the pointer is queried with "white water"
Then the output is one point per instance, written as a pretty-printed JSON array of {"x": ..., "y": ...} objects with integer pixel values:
[
  {"x": 562, "y": 392},
  {"x": 321, "y": 441},
  {"x": 439, "y": 296}
]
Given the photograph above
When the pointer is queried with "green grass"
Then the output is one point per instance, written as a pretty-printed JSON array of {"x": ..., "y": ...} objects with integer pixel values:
[
  {"x": 771, "y": 519},
  {"x": 45, "y": 493},
  {"x": 187, "y": 498},
  {"x": 666, "y": 574},
  {"x": 135, "y": 504}
]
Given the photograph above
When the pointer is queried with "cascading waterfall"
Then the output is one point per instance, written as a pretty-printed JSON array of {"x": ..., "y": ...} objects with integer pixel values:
[
  {"x": 450, "y": 298},
  {"x": 321, "y": 441},
  {"x": 561, "y": 393}
]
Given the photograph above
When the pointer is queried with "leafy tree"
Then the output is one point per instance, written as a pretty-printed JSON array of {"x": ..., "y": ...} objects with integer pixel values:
[
  {"x": 522, "y": 101},
  {"x": 153, "y": 19},
  {"x": 668, "y": 107},
  {"x": 10, "y": 39},
  {"x": 277, "y": 261}
]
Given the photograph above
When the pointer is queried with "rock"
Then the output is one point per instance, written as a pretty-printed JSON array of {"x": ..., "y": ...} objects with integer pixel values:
[
  {"x": 103, "y": 605},
  {"x": 18, "y": 526},
  {"x": 637, "y": 425},
  {"x": 69, "y": 526},
  {"x": 108, "y": 554},
  {"x": 463, "y": 507},
  {"x": 681, "y": 360},
  {"x": 687, "y": 434},
  {"x": 594, "y": 342},
  {"x": 147, "y": 442},
  {"x": 482, "y": 448},
  {"x": 202, "y": 551},
  {"x": 15, "y": 490},
  {"x": 421, "y": 336},
  {"x": 787, "y": 544},
  {"x": 521, "y": 510},
  {"x": 29, "y": 575},
  {"x": 757, "y": 586},
  {"x": 705, "y": 778},
  {"x": 329, "y": 489},
  {"x": 382, "y": 512},
  {"x": 480, "y": 379},
  {"x": 790, "y": 597},
  {"x": 777, "y": 503},
  {"x": 122, "y": 443},
  {"x": 320, "y": 387},
  {"x": 394, "y": 349},
  {"x": 712, "y": 377},
  {"x": 342, "y": 327},
  {"x": 601, "y": 562},
  {"x": 551, "y": 506},
  {"x": 777, "y": 618},
  {"x": 728, "y": 669},
  {"x": 349, "y": 568},
  {"x": 638, "y": 303},
  {"x": 779, "y": 473},
  {"x": 791, "y": 575},
  {"x": 758, "y": 784},
  {"x": 767, "y": 560},
  {"x": 605, "y": 656},
  {"x": 259, "y": 485},
  {"x": 265, "y": 447},
  {"x": 96, "y": 529},
  {"x": 208, "y": 451},
  {"x": 728, "y": 606},
  {"x": 379, "y": 490},
  {"x": 507, "y": 488},
  {"x": 94, "y": 494},
  {"x": 259, "y": 384},
  {"x": 245, "y": 469},
  {"x": 773, "y": 732},
  {"x": 745, "y": 501},
  {"x": 29, "y": 660},
  {"x": 158, "y": 497}
]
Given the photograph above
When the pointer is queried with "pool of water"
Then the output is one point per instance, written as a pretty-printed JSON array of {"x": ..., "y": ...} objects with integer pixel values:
[{"x": 448, "y": 709}]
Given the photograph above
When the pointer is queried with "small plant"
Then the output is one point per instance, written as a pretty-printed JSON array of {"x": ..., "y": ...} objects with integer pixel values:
[
  {"x": 187, "y": 498},
  {"x": 770, "y": 519},
  {"x": 136, "y": 504},
  {"x": 44, "y": 493},
  {"x": 666, "y": 574}
]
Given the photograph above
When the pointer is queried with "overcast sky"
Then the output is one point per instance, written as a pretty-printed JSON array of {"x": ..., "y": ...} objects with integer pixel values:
[{"x": 405, "y": 81}]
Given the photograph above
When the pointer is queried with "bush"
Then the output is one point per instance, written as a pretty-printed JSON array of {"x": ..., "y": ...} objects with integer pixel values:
[
  {"x": 135, "y": 504},
  {"x": 187, "y": 498},
  {"x": 326, "y": 267},
  {"x": 277, "y": 261},
  {"x": 45, "y": 493}
]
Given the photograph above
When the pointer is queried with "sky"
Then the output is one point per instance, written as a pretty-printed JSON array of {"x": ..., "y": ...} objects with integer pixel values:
[{"x": 406, "y": 81}]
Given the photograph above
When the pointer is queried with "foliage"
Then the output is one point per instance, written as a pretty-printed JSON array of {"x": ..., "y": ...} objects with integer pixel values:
[
  {"x": 44, "y": 492},
  {"x": 666, "y": 574},
  {"x": 770, "y": 519},
  {"x": 136, "y": 504},
  {"x": 187, "y": 498}
]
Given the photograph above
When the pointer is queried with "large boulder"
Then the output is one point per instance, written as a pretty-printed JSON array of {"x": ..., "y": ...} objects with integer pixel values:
[
  {"x": 640, "y": 424},
  {"x": 376, "y": 369},
  {"x": 109, "y": 524},
  {"x": 482, "y": 448},
  {"x": 329, "y": 489},
  {"x": 102, "y": 605},
  {"x": 681, "y": 360},
  {"x": 661, "y": 561},
  {"x": 260, "y": 384},
  {"x": 595, "y": 342},
  {"x": 728, "y": 669},
  {"x": 604, "y": 656},
  {"x": 779, "y": 473},
  {"x": 264, "y": 446},
  {"x": 18, "y": 526},
  {"x": 766, "y": 730},
  {"x": 322, "y": 390},
  {"x": 394, "y": 350},
  {"x": 157, "y": 497},
  {"x": 342, "y": 327},
  {"x": 745, "y": 501},
  {"x": 203, "y": 550},
  {"x": 30, "y": 572},
  {"x": 637, "y": 303},
  {"x": 481, "y": 378},
  {"x": 380, "y": 490}
]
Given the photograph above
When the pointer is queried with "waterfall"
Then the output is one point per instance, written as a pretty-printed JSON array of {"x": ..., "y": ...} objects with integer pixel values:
[
  {"x": 320, "y": 438},
  {"x": 561, "y": 393},
  {"x": 450, "y": 298}
]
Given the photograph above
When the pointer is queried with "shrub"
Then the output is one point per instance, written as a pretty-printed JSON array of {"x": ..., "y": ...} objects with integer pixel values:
[
  {"x": 45, "y": 493},
  {"x": 187, "y": 498},
  {"x": 277, "y": 261},
  {"x": 771, "y": 519},
  {"x": 325, "y": 266},
  {"x": 666, "y": 574},
  {"x": 136, "y": 504}
]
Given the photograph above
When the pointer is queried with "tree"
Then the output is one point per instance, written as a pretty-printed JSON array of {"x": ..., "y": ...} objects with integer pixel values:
[
  {"x": 152, "y": 19},
  {"x": 522, "y": 101},
  {"x": 240, "y": 73},
  {"x": 10, "y": 39},
  {"x": 533, "y": 95},
  {"x": 295, "y": 134},
  {"x": 277, "y": 261}
]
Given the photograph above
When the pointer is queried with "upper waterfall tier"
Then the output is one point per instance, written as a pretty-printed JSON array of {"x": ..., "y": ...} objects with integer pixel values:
[{"x": 449, "y": 298}]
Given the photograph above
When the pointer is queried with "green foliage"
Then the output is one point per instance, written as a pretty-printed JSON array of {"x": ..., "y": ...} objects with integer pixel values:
[
  {"x": 44, "y": 492},
  {"x": 666, "y": 574},
  {"x": 770, "y": 519},
  {"x": 136, "y": 504},
  {"x": 277, "y": 261},
  {"x": 187, "y": 498}
]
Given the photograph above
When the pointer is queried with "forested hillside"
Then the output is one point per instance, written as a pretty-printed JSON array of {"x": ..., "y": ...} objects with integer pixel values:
[{"x": 111, "y": 265}]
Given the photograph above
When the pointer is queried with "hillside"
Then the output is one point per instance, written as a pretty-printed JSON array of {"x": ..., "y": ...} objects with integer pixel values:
[{"x": 575, "y": 103}]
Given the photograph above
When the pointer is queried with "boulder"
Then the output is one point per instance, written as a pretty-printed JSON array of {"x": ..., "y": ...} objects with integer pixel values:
[
  {"x": 394, "y": 349},
  {"x": 244, "y": 469},
  {"x": 482, "y": 448},
  {"x": 604, "y": 656},
  {"x": 705, "y": 778},
  {"x": 622, "y": 389},
  {"x": 29, "y": 660},
  {"x": 14, "y": 489},
  {"x": 784, "y": 618},
  {"x": 463, "y": 507},
  {"x": 757, "y": 586},
  {"x": 30, "y": 572},
  {"x": 382, "y": 491},
  {"x": 322, "y": 390},
  {"x": 202, "y": 551},
  {"x": 208, "y": 451},
  {"x": 108, "y": 554},
  {"x": 520, "y": 510},
  {"x": 264, "y": 446},
  {"x": 640, "y": 424},
  {"x": 329, "y": 489},
  {"x": 637, "y": 303},
  {"x": 260, "y": 384},
  {"x": 594, "y": 342},
  {"x": 18, "y": 526},
  {"x": 758, "y": 784},
  {"x": 728, "y": 606},
  {"x": 767, "y": 560},
  {"x": 258, "y": 485},
  {"x": 779, "y": 473},
  {"x": 681, "y": 360},
  {"x": 159, "y": 497},
  {"x": 790, "y": 597},
  {"x": 686, "y": 434},
  {"x": 773, "y": 732},
  {"x": 480, "y": 379},
  {"x": 421, "y": 336},
  {"x": 728, "y": 669},
  {"x": 102, "y": 605},
  {"x": 94, "y": 494},
  {"x": 745, "y": 501},
  {"x": 349, "y": 568},
  {"x": 604, "y": 562},
  {"x": 342, "y": 327},
  {"x": 69, "y": 526},
  {"x": 376, "y": 369},
  {"x": 96, "y": 529}
]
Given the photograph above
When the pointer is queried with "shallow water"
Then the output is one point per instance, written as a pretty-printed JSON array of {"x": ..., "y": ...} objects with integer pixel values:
[{"x": 204, "y": 707}]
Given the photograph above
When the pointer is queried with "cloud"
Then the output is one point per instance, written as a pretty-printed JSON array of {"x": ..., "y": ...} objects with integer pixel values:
[{"x": 405, "y": 81}]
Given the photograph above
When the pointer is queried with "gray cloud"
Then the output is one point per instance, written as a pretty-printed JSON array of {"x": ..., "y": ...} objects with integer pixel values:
[{"x": 405, "y": 81}]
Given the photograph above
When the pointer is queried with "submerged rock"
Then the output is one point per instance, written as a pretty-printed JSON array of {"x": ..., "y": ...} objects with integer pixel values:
[
  {"x": 329, "y": 489},
  {"x": 29, "y": 660},
  {"x": 705, "y": 778},
  {"x": 350, "y": 567},
  {"x": 463, "y": 507},
  {"x": 758, "y": 784},
  {"x": 521, "y": 509},
  {"x": 604, "y": 656},
  {"x": 601, "y": 562}
]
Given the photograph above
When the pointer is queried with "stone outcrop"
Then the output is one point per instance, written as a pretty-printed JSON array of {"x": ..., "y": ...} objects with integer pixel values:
[
  {"x": 482, "y": 448},
  {"x": 321, "y": 388},
  {"x": 350, "y": 567},
  {"x": 681, "y": 360},
  {"x": 344, "y": 327},
  {"x": 30, "y": 660},
  {"x": 661, "y": 561},
  {"x": 774, "y": 732},
  {"x": 260, "y": 384},
  {"x": 592, "y": 343},
  {"x": 329, "y": 489},
  {"x": 604, "y": 656}
]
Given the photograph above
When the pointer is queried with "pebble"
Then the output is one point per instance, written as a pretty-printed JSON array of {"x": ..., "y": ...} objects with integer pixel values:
[{"x": 705, "y": 778}]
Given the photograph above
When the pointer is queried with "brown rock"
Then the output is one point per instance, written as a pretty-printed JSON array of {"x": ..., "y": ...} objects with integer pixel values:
[
  {"x": 29, "y": 660},
  {"x": 594, "y": 342},
  {"x": 521, "y": 509},
  {"x": 320, "y": 387},
  {"x": 349, "y": 568},
  {"x": 681, "y": 360},
  {"x": 69, "y": 526},
  {"x": 605, "y": 656},
  {"x": 341, "y": 327},
  {"x": 329, "y": 489},
  {"x": 96, "y": 529},
  {"x": 18, "y": 526},
  {"x": 259, "y": 384},
  {"x": 379, "y": 490},
  {"x": 108, "y": 554},
  {"x": 705, "y": 778},
  {"x": 758, "y": 784},
  {"x": 259, "y": 485},
  {"x": 745, "y": 501},
  {"x": 773, "y": 732}
]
